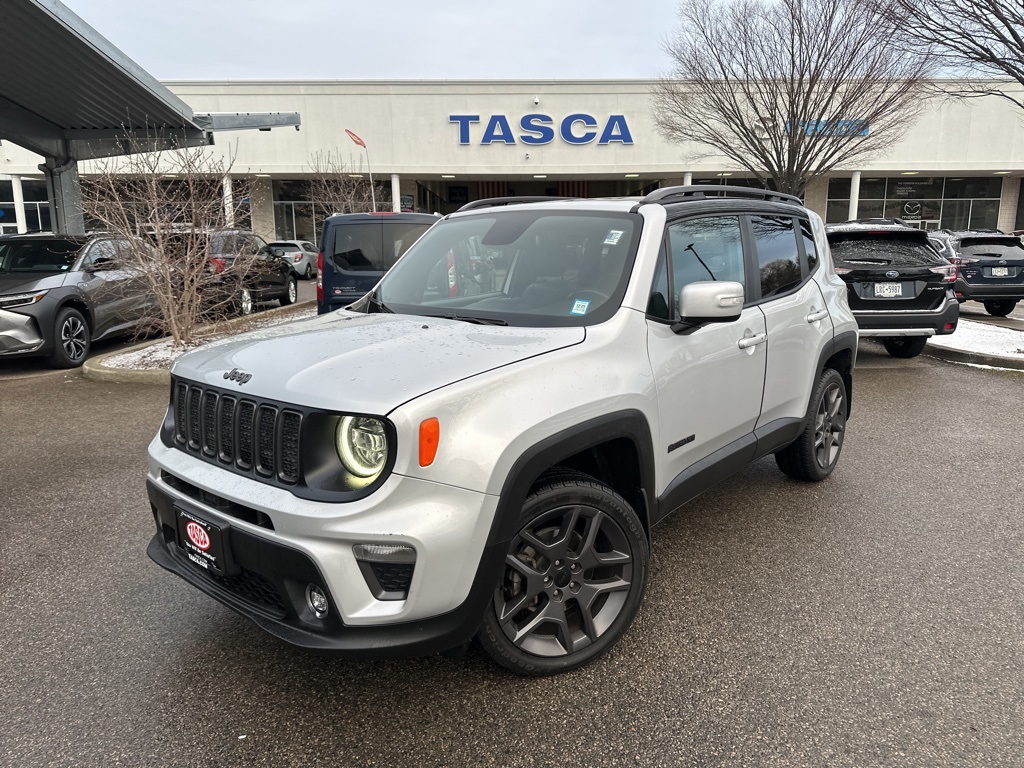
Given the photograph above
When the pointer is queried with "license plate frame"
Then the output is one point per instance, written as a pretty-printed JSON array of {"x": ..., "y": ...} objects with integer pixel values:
[
  {"x": 888, "y": 290},
  {"x": 1000, "y": 271},
  {"x": 203, "y": 543}
]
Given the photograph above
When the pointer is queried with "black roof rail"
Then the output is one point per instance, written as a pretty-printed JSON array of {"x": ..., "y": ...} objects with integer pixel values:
[
  {"x": 679, "y": 194},
  {"x": 491, "y": 202}
]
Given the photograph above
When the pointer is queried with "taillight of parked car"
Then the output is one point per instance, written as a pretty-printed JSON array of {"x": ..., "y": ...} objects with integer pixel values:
[
  {"x": 320, "y": 277},
  {"x": 843, "y": 270},
  {"x": 948, "y": 273},
  {"x": 297, "y": 258},
  {"x": 217, "y": 265}
]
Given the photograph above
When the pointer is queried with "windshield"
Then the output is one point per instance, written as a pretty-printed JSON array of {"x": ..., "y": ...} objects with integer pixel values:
[
  {"x": 894, "y": 250},
  {"x": 38, "y": 255},
  {"x": 374, "y": 246},
  {"x": 992, "y": 248},
  {"x": 522, "y": 267}
]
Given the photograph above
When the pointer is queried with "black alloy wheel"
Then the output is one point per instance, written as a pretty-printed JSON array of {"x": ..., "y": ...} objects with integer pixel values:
[
  {"x": 814, "y": 455},
  {"x": 71, "y": 339},
  {"x": 905, "y": 346},
  {"x": 574, "y": 578},
  {"x": 1000, "y": 308}
]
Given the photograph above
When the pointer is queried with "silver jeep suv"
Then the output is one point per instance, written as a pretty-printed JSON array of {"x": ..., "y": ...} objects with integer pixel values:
[{"x": 482, "y": 445}]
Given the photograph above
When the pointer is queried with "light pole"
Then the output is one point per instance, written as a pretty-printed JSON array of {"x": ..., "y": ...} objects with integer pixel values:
[{"x": 361, "y": 143}]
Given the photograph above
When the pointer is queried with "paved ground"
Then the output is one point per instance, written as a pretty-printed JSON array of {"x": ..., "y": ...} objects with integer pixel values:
[{"x": 873, "y": 620}]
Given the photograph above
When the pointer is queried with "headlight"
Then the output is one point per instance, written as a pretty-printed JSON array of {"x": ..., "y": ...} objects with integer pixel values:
[
  {"x": 362, "y": 445},
  {"x": 20, "y": 299}
]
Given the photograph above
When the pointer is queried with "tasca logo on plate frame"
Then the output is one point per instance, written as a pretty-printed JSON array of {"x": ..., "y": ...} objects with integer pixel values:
[{"x": 198, "y": 535}]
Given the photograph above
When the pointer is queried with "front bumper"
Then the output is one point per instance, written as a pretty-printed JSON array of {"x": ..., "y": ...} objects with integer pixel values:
[
  {"x": 19, "y": 333},
  {"x": 277, "y": 545},
  {"x": 910, "y": 322}
]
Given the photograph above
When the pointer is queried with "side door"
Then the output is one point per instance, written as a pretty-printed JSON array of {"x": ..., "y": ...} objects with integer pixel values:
[
  {"x": 709, "y": 381},
  {"x": 799, "y": 326},
  {"x": 107, "y": 285}
]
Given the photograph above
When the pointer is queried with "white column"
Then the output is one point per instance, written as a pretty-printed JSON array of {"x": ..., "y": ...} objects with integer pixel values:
[
  {"x": 229, "y": 201},
  {"x": 854, "y": 195},
  {"x": 687, "y": 179},
  {"x": 396, "y": 193},
  {"x": 19, "y": 205}
]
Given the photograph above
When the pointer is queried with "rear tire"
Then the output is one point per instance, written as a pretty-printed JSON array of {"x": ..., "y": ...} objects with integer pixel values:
[
  {"x": 243, "y": 304},
  {"x": 71, "y": 339},
  {"x": 1000, "y": 308},
  {"x": 813, "y": 455},
  {"x": 905, "y": 346},
  {"x": 573, "y": 579},
  {"x": 309, "y": 272}
]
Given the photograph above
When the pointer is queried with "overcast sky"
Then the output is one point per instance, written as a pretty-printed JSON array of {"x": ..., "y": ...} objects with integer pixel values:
[{"x": 387, "y": 39}]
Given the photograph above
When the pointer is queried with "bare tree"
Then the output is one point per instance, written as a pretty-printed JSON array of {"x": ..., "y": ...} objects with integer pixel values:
[
  {"x": 971, "y": 39},
  {"x": 341, "y": 188},
  {"x": 788, "y": 89},
  {"x": 170, "y": 206}
]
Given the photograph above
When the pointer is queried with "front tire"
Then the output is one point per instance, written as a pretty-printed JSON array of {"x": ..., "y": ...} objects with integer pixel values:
[
  {"x": 574, "y": 578},
  {"x": 813, "y": 455},
  {"x": 291, "y": 292},
  {"x": 905, "y": 346},
  {"x": 71, "y": 339},
  {"x": 1000, "y": 308}
]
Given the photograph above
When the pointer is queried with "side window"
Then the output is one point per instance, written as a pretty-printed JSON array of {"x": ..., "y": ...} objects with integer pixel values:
[
  {"x": 778, "y": 257},
  {"x": 812, "y": 253},
  {"x": 100, "y": 251},
  {"x": 705, "y": 249},
  {"x": 658, "y": 303}
]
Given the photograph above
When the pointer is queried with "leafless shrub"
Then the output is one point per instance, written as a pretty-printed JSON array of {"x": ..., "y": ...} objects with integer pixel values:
[
  {"x": 788, "y": 89},
  {"x": 170, "y": 205},
  {"x": 338, "y": 187}
]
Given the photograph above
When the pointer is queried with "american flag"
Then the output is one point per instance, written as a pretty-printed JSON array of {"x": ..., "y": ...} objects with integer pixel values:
[
  {"x": 574, "y": 189},
  {"x": 493, "y": 189}
]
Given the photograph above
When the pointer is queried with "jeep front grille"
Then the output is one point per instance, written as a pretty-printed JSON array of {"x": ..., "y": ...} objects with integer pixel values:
[{"x": 248, "y": 435}]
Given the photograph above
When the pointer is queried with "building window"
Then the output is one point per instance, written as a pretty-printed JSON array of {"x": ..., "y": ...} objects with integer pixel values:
[{"x": 928, "y": 202}]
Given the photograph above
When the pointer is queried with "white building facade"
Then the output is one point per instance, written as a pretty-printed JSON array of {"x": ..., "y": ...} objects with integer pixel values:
[{"x": 436, "y": 145}]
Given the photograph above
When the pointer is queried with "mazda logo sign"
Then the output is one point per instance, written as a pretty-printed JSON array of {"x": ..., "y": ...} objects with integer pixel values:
[
  {"x": 198, "y": 535},
  {"x": 892, "y": 273}
]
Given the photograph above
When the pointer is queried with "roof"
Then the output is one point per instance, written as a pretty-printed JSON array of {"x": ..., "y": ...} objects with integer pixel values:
[
  {"x": 878, "y": 226},
  {"x": 67, "y": 92}
]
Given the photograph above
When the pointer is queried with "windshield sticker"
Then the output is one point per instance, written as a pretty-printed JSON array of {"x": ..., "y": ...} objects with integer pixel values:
[
  {"x": 612, "y": 238},
  {"x": 580, "y": 307}
]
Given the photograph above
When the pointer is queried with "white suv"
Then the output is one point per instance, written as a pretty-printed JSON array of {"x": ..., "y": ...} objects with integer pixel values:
[{"x": 482, "y": 445}]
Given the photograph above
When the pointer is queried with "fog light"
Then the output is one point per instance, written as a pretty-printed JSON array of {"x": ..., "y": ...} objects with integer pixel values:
[
  {"x": 384, "y": 553},
  {"x": 316, "y": 600}
]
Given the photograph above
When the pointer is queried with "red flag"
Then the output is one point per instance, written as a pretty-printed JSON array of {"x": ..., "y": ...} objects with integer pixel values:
[{"x": 355, "y": 138}]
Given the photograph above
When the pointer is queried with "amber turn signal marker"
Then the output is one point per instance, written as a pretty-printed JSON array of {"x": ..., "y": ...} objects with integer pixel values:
[{"x": 430, "y": 436}]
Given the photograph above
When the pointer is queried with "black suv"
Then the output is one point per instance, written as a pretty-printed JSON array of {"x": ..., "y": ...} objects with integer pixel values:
[
  {"x": 358, "y": 248},
  {"x": 59, "y": 293},
  {"x": 250, "y": 270},
  {"x": 900, "y": 286},
  {"x": 990, "y": 267}
]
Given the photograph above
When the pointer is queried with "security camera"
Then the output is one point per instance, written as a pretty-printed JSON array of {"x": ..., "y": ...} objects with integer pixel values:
[
  {"x": 536, "y": 99},
  {"x": 527, "y": 155}
]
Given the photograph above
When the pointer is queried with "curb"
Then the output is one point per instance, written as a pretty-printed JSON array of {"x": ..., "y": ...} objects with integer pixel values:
[
  {"x": 95, "y": 370},
  {"x": 975, "y": 358}
]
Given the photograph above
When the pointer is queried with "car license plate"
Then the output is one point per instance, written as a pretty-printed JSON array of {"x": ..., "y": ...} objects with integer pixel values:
[
  {"x": 202, "y": 541},
  {"x": 1000, "y": 271},
  {"x": 888, "y": 290}
]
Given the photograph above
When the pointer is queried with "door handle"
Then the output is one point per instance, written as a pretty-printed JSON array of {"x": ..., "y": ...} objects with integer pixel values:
[
  {"x": 815, "y": 316},
  {"x": 752, "y": 341}
]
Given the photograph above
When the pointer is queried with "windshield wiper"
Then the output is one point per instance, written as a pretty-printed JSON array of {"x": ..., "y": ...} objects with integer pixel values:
[
  {"x": 377, "y": 304},
  {"x": 471, "y": 319}
]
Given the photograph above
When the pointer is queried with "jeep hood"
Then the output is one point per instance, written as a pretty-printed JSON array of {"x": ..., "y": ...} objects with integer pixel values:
[{"x": 364, "y": 363}]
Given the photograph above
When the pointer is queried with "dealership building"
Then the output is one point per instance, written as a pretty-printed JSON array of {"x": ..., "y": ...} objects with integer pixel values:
[{"x": 436, "y": 145}]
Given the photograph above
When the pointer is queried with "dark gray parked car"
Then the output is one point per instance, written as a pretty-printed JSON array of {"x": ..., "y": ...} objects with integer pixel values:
[
  {"x": 990, "y": 267},
  {"x": 59, "y": 293}
]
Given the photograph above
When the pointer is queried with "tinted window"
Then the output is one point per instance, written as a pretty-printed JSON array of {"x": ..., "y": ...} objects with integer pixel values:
[
  {"x": 38, "y": 255},
  {"x": 285, "y": 246},
  {"x": 658, "y": 303},
  {"x": 777, "y": 256},
  {"x": 886, "y": 249},
  {"x": 992, "y": 248},
  {"x": 374, "y": 246},
  {"x": 705, "y": 249},
  {"x": 809, "y": 248}
]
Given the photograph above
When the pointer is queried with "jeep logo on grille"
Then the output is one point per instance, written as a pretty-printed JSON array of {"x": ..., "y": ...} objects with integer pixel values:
[
  {"x": 890, "y": 273},
  {"x": 236, "y": 375}
]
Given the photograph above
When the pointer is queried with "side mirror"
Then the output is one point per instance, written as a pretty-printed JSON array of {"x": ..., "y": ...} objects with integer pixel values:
[
  {"x": 709, "y": 302},
  {"x": 100, "y": 264}
]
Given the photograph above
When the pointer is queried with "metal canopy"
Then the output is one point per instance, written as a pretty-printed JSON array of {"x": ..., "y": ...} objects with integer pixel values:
[{"x": 68, "y": 94}]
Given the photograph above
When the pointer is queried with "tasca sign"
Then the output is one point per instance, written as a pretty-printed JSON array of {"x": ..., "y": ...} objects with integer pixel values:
[{"x": 536, "y": 129}]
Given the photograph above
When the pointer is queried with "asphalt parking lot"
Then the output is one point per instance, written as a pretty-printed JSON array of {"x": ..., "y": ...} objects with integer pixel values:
[{"x": 873, "y": 620}]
